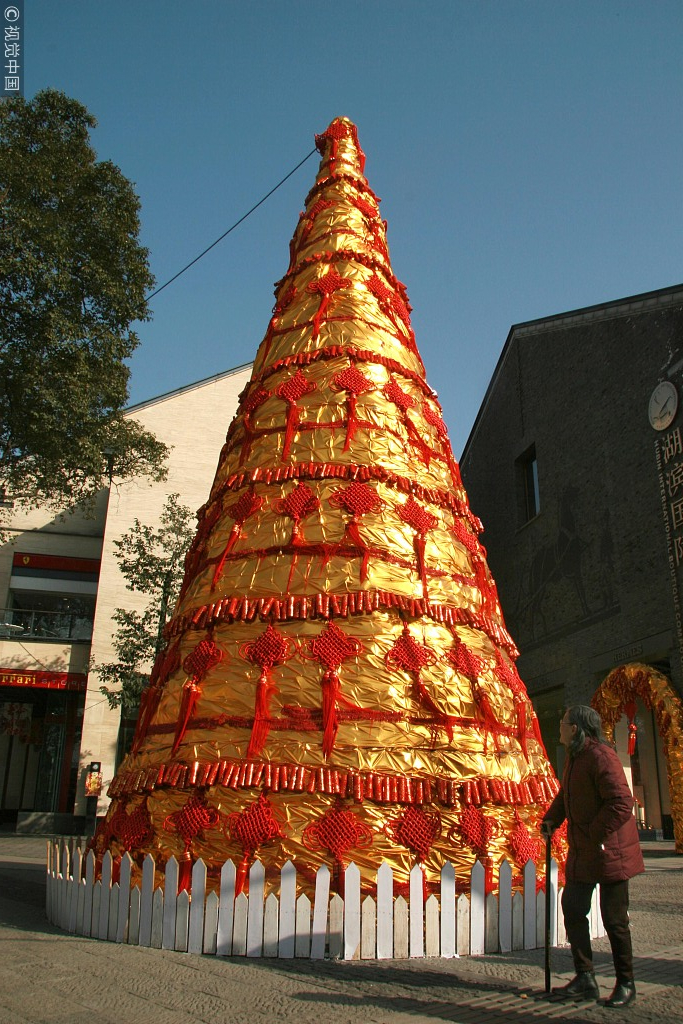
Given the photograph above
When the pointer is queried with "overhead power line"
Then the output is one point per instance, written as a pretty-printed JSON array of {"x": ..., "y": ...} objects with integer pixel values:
[{"x": 232, "y": 228}]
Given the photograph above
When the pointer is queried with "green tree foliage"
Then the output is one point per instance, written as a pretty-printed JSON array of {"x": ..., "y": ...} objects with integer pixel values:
[
  {"x": 152, "y": 561},
  {"x": 73, "y": 277}
]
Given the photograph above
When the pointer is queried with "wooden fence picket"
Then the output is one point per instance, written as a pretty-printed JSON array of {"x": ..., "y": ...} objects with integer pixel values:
[
  {"x": 368, "y": 929},
  {"x": 113, "y": 917},
  {"x": 182, "y": 921},
  {"x": 320, "y": 912},
  {"x": 257, "y": 881},
  {"x": 401, "y": 944},
  {"x": 336, "y": 942},
  {"x": 529, "y": 875},
  {"x": 239, "y": 926},
  {"x": 89, "y": 893},
  {"x": 170, "y": 903},
  {"x": 352, "y": 913},
  {"x": 416, "y": 912},
  {"x": 210, "y": 936},
  {"x": 505, "y": 906},
  {"x": 432, "y": 943},
  {"x": 157, "y": 919},
  {"x": 226, "y": 909},
  {"x": 477, "y": 908},
  {"x": 271, "y": 919},
  {"x": 146, "y": 900},
  {"x": 448, "y": 913},
  {"x": 491, "y": 935},
  {"x": 302, "y": 944},
  {"x": 385, "y": 912},
  {"x": 254, "y": 925},
  {"x": 125, "y": 873},
  {"x": 195, "y": 939},
  {"x": 133, "y": 936}
]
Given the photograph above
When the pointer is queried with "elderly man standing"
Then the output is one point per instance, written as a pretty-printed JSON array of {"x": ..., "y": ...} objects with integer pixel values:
[{"x": 603, "y": 848}]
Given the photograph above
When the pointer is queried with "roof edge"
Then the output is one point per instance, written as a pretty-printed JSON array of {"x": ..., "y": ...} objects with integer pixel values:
[
  {"x": 186, "y": 387},
  {"x": 615, "y": 307}
]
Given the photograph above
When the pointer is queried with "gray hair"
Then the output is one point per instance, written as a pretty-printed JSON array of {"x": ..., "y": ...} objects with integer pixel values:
[{"x": 588, "y": 727}]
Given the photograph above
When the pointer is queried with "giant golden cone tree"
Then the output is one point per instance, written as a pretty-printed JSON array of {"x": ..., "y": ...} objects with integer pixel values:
[{"x": 338, "y": 684}]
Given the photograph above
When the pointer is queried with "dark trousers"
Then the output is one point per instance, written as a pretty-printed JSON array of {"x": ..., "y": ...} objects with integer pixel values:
[{"x": 576, "y": 904}]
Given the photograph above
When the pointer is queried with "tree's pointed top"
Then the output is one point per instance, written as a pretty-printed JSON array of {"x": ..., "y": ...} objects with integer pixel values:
[{"x": 340, "y": 149}]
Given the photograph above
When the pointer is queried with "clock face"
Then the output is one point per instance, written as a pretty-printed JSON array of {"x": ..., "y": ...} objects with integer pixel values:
[{"x": 663, "y": 405}]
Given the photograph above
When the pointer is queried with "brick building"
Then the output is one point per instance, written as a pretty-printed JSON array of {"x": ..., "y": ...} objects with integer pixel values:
[{"x": 575, "y": 466}]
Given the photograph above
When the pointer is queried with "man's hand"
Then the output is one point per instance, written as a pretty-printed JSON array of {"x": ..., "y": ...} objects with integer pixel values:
[{"x": 547, "y": 829}]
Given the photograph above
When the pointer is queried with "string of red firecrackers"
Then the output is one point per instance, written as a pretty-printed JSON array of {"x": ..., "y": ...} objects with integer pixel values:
[
  {"x": 333, "y": 470},
  {"x": 243, "y": 609},
  {"x": 374, "y": 786}
]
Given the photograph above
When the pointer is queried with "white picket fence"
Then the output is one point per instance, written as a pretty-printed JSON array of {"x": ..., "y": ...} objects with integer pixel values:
[{"x": 286, "y": 926}]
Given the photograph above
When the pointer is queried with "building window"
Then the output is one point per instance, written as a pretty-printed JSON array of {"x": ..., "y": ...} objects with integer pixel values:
[{"x": 529, "y": 500}]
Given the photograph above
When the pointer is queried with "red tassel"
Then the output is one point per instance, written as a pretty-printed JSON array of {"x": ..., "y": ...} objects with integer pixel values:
[
  {"x": 632, "y": 734},
  {"x": 419, "y": 544},
  {"x": 232, "y": 540},
  {"x": 241, "y": 875},
  {"x": 290, "y": 428},
  {"x": 190, "y": 697},
  {"x": 330, "y": 688},
  {"x": 520, "y": 708},
  {"x": 261, "y": 727},
  {"x": 185, "y": 872},
  {"x": 428, "y": 702}
]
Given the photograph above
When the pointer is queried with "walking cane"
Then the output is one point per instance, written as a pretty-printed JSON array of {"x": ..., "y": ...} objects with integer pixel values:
[{"x": 548, "y": 842}]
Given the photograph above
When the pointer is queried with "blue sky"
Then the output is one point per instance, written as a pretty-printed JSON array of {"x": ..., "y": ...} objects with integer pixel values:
[{"x": 528, "y": 154}]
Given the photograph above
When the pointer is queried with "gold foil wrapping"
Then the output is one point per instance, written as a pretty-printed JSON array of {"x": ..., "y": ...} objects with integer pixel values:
[{"x": 360, "y": 701}]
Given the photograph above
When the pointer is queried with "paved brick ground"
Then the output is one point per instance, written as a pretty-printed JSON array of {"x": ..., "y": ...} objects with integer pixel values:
[{"x": 47, "y": 977}]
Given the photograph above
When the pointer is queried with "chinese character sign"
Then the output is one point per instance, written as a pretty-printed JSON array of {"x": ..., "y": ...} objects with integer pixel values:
[{"x": 13, "y": 55}]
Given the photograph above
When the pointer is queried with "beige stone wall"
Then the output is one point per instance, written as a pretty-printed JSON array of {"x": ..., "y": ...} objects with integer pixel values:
[{"x": 193, "y": 422}]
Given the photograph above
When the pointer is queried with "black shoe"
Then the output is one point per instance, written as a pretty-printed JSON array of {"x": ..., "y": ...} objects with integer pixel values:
[
  {"x": 582, "y": 988},
  {"x": 624, "y": 995}
]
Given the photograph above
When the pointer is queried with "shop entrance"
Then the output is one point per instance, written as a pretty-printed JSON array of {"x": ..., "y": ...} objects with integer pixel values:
[
  {"x": 40, "y": 733},
  {"x": 643, "y": 715}
]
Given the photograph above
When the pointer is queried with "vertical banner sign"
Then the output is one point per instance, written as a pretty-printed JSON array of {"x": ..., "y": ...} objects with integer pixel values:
[
  {"x": 13, "y": 53},
  {"x": 669, "y": 456}
]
